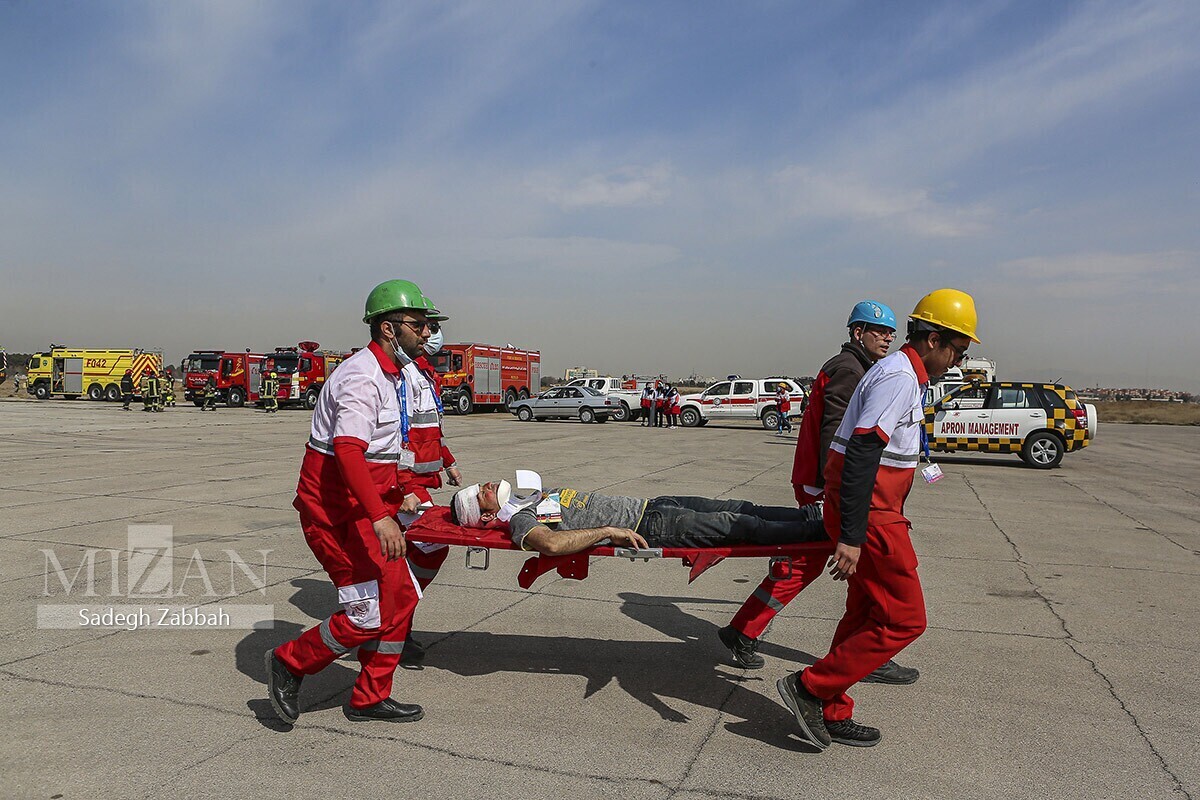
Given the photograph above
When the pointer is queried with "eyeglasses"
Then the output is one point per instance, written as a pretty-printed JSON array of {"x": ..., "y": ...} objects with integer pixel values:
[
  {"x": 433, "y": 325},
  {"x": 881, "y": 332},
  {"x": 959, "y": 355}
]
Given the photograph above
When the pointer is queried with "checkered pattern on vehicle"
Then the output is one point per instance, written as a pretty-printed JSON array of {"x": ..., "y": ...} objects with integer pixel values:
[{"x": 1058, "y": 419}]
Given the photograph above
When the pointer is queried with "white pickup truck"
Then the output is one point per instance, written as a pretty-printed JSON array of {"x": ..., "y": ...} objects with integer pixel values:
[{"x": 628, "y": 394}]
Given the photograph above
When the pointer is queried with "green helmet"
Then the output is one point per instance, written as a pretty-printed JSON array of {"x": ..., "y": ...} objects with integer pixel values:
[{"x": 395, "y": 295}]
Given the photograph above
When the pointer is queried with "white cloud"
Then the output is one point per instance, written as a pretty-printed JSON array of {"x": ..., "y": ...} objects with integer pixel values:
[{"x": 626, "y": 186}]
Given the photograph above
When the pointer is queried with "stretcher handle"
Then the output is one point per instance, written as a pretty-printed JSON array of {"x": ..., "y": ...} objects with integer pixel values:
[
  {"x": 487, "y": 557},
  {"x": 635, "y": 552}
]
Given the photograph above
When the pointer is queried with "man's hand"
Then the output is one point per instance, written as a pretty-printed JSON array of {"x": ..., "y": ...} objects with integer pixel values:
[
  {"x": 844, "y": 561},
  {"x": 453, "y": 476},
  {"x": 623, "y": 537},
  {"x": 410, "y": 504},
  {"x": 391, "y": 538}
]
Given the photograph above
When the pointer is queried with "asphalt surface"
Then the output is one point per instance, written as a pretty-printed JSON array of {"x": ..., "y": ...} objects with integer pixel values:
[{"x": 1060, "y": 660}]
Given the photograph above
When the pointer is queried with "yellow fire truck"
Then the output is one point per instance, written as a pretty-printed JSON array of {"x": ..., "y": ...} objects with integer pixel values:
[{"x": 71, "y": 372}]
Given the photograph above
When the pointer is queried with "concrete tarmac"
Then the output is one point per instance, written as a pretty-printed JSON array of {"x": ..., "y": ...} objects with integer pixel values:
[{"x": 1060, "y": 660}]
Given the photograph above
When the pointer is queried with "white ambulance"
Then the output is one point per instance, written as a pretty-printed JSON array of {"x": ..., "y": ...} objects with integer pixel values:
[{"x": 740, "y": 398}]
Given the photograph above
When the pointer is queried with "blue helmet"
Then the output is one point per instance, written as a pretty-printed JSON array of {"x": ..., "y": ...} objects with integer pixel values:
[{"x": 872, "y": 313}]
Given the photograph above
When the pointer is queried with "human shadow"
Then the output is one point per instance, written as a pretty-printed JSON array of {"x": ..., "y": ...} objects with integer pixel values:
[
  {"x": 1002, "y": 460},
  {"x": 321, "y": 691},
  {"x": 691, "y": 668}
]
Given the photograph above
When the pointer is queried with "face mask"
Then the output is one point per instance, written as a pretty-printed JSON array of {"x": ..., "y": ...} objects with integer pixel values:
[
  {"x": 434, "y": 344},
  {"x": 401, "y": 358}
]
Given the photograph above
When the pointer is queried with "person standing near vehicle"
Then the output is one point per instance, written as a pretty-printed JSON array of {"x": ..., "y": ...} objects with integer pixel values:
[
  {"x": 673, "y": 409},
  {"x": 868, "y": 474},
  {"x": 783, "y": 406},
  {"x": 127, "y": 389},
  {"x": 648, "y": 405},
  {"x": 270, "y": 392},
  {"x": 424, "y": 558},
  {"x": 364, "y": 442},
  {"x": 210, "y": 393},
  {"x": 147, "y": 398},
  {"x": 872, "y": 327}
]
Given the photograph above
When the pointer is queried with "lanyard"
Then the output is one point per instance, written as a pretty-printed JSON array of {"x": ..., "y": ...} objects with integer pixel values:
[{"x": 402, "y": 396}]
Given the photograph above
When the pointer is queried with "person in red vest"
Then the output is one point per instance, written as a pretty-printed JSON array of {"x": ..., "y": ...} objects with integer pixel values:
[
  {"x": 869, "y": 472},
  {"x": 374, "y": 428},
  {"x": 426, "y": 559},
  {"x": 872, "y": 327}
]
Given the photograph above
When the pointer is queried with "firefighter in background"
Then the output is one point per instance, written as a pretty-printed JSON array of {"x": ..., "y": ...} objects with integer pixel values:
[
  {"x": 168, "y": 389},
  {"x": 127, "y": 389},
  {"x": 270, "y": 392},
  {"x": 424, "y": 558},
  {"x": 376, "y": 413},
  {"x": 871, "y": 327},
  {"x": 210, "y": 393},
  {"x": 149, "y": 390},
  {"x": 868, "y": 474}
]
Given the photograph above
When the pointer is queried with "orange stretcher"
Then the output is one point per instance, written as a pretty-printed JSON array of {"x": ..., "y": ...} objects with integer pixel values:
[{"x": 435, "y": 527}]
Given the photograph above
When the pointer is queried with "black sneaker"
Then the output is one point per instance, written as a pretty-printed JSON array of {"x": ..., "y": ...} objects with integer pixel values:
[
  {"x": 283, "y": 688},
  {"x": 385, "y": 711},
  {"x": 847, "y": 731},
  {"x": 808, "y": 708},
  {"x": 742, "y": 647},
  {"x": 894, "y": 674}
]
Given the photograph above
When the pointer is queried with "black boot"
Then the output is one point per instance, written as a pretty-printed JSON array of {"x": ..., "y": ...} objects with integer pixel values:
[
  {"x": 742, "y": 647},
  {"x": 283, "y": 687},
  {"x": 893, "y": 673},
  {"x": 385, "y": 711}
]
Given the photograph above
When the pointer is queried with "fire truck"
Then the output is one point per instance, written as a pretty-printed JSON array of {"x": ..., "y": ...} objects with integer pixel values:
[
  {"x": 302, "y": 371},
  {"x": 71, "y": 372},
  {"x": 238, "y": 376},
  {"x": 486, "y": 375}
]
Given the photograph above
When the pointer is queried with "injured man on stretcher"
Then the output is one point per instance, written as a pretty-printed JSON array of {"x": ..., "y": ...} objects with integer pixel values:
[{"x": 566, "y": 520}]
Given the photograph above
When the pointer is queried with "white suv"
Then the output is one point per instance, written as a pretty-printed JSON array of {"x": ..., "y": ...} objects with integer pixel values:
[{"x": 740, "y": 398}]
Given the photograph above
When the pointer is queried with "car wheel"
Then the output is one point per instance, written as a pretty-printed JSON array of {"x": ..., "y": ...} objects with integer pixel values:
[
  {"x": 1043, "y": 450},
  {"x": 112, "y": 393},
  {"x": 523, "y": 394},
  {"x": 770, "y": 419},
  {"x": 237, "y": 398},
  {"x": 510, "y": 397},
  {"x": 95, "y": 392},
  {"x": 524, "y": 413},
  {"x": 587, "y": 415},
  {"x": 464, "y": 404},
  {"x": 620, "y": 413},
  {"x": 41, "y": 391},
  {"x": 690, "y": 418}
]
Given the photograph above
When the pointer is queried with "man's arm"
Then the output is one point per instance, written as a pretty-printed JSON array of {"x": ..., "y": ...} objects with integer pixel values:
[{"x": 564, "y": 543}]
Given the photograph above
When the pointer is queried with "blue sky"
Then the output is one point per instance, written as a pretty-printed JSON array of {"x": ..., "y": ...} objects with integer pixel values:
[{"x": 665, "y": 186}]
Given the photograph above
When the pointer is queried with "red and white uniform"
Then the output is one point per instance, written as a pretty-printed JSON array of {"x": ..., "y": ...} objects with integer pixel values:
[
  {"x": 885, "y": 608},
  {"x": 426, "y": 559},
  {"x": 783, "y": 401},
  {"x": 348, "y": 480}
]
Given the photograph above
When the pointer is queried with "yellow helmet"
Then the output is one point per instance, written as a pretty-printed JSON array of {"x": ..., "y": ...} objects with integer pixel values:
[{"x": 948, "y": 308}]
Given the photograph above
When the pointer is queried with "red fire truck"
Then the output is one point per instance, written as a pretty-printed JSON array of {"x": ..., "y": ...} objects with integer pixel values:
[
  {"x": 237, "y": 374},
  {"x": 486, "y": 375},
  {"x": 302, "y": 371}
]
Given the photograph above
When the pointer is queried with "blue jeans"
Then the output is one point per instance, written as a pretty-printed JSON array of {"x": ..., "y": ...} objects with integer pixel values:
[{"x": 704, "y": 522}]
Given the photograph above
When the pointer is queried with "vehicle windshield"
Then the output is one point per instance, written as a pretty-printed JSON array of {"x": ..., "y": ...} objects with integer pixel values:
[
  {"x": 201, "y": 363},
  {"x": 281, "y": 363},
  {"x": 590, "y": 391},
  {"x": 445, "y": 361}
]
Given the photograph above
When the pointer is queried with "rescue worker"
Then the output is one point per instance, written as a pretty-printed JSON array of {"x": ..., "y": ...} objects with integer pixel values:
[
  {"x": 270, "y": 392},
  {"x": 365, "y": 425},
  {"x": 872, "y": 327},
  {"x": 660, "y": 399},
  {"x": 168, "y": 390},
  {"x": 647, "y": 404},
  {"x": 869, "y": 472},
  {"x": 424, "y": 558},
  {"x": 672, "y": 406},
  {"x": 146, "y": 387},
  {"x": 210, "y": 393},
  {"x": 577, "y": 519},
  {"x": 783, "y": 407},
  {"x": 127, "y": 389}
]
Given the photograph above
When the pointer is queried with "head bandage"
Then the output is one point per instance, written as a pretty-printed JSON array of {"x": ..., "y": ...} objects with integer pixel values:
[{"x": 466, "y": 503}]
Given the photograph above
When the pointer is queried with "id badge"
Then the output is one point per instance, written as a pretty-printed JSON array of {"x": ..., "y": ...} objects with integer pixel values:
[
  {"x": 932, "y": 473},
  {"x": 407, "y": 459}
]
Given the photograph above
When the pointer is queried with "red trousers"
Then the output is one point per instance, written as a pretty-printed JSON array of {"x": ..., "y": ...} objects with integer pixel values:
[
  {"x": 425, "y": 565},
  {"x": 776, "y": 592},
  {"x": 885, "y": 612},
  {"x": 378, "y": 626}
]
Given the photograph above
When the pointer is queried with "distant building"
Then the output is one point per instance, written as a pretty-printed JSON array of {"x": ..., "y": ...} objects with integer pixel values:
[{"x": 580, "y": 372}]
